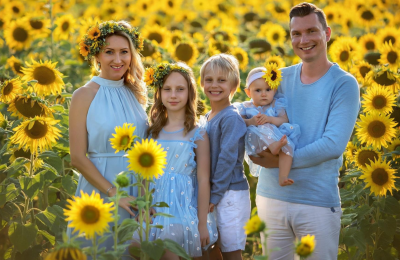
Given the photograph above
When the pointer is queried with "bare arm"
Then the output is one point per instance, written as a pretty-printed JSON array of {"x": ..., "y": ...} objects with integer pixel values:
[
  {"x": 80, "y": 103},
  {"x": 250, "y": 121},
  {"x": 275, "y": 120},
  {"x": 203, "y": 178}
]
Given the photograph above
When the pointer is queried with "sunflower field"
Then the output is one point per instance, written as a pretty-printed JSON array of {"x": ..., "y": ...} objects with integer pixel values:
[{"x": 41, "y": 66}]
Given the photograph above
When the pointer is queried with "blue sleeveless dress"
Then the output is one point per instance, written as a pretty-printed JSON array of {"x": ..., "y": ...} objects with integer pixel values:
[
  {"x": 179, "y": 189},
  {"x": 113, "y": 105},
  {"x": 258, "y": 138}
]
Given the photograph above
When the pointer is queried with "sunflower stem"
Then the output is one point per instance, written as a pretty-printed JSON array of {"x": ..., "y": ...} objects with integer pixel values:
[
  {"x": 94, "y": 247},
  {"x": 45, "y": 197},
  {"x": 117, "y": 197},
  {"x": 147, "y": 210},
  {"x": 25, "y": 210},
  {"x": 32, "y": 163}
]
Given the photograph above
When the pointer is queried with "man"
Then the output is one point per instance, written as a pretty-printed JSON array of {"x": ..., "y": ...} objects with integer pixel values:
[{"x": 324, "y": 101}]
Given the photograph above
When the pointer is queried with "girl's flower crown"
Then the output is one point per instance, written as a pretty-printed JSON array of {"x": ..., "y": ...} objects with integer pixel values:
[
  {"x": 95, "y": 38},
  {"x": 154, "y": 76}
]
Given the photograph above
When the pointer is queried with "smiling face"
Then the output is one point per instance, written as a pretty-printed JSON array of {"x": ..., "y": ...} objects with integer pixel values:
[
  {"x": 260, "y": 92},
  {"x": 115, "y": 58},
  {"x": 217, "y": 86},
  {"x": 175, "y": 92},
  {"x": 309, "y": 38}
]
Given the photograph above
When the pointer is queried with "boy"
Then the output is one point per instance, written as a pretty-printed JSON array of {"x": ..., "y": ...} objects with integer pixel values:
[{"x": 226, "y": 129}]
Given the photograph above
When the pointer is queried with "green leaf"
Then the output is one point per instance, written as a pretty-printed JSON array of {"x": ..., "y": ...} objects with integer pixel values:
[
  {"x": 52, "y": 159},
  {"x": 17, "y": 167},
  {"x": 389, "y": 226},
  {"x": 176, "y": 248},
  {"x": 362, "y": 211},
  {"x": 30, "y": 185},
  {"x": 22, "y": 236},
  {"x": 155, "y": 250},
  {"x": 347, "y": 219},
  {"x": 156, "y": 226},
  {"x": 126, "y": 230},
  {"x": 103, "y": 239},
  {"x": 50, "y": 238},
  {"x": 58, "y": 108},
  {"x": 8, "y": 194},
  {"x": 69, "y": 184},
  {"x": 163, "y": 214},
  {"x": 380, "y": 254},
  {"x": 52, "y": 218},
  {"x": 160, "y": 205},
  {"x": 391, "y": 206},
  {"x": 354, "y": 237},
  {"x": 135, "y": 251}
]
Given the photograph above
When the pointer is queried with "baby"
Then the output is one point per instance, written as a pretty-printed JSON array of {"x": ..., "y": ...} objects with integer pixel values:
[{"x": 267, "y": 124}]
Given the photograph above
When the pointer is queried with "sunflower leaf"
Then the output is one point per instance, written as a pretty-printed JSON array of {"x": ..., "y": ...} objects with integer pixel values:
[
  {"x": 175, "y": 248},
  {"x": 160, "y": 205},
  {"x": 22, "y": 236},
  {"x": 163, "y": 214},
  {"x": 126, "y": 230},
  {"x": 153, "y": 249},
  {"x": 50, "y": 238}
]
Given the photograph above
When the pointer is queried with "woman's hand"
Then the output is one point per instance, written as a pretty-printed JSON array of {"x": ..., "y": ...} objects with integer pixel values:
[
  {"x": 125, "y": 204},
  {"x": 152, "y": 211},
  {"x": 204, "y": 235}
]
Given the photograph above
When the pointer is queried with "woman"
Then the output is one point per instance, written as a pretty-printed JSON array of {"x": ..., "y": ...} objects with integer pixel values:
[{"x": 115, "y": 97}]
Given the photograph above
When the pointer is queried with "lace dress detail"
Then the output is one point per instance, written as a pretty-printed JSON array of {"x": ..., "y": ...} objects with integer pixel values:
[
  {"x": 258, "y": 138},
  {"x": 178, "y": 188}
]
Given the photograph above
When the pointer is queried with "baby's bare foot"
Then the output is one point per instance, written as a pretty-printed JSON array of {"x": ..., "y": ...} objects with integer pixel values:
[{"x": 275, "y": 147}]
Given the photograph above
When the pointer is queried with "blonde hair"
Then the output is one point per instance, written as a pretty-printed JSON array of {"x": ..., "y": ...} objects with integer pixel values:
[
  {"x": 252, "y": 72},
  {"x": 225, "y": 63},
  {"x": 158, "y": 113},
  {"x": 133, "y": 76}
]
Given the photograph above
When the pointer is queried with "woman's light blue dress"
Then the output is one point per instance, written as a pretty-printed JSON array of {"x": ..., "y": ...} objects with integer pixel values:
[
  {"x": 113, "y": 105},
  {"x": 258, "y": 138},
  {"x": 179, "y": 189}
]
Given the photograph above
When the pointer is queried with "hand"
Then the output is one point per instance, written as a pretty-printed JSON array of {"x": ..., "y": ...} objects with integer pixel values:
[
  {"x": 125, "y": 204},
  {"x": 253, "y": 120},
  {"x": 204, "y": 235},
  {"x": 285, "y": 181},
  {"x": 151, "y": 212},
  {"x": 262, "y": 119},
  {"x": 211, "y": 207},
  {"x": 266, "y": 159}
]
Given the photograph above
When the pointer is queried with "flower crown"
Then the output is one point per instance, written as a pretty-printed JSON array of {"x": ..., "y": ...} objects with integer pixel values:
[
  {"x": 154, "y": 76},
  {"x": 95, "y": 38},
  {"x": 273, "y": 75}
]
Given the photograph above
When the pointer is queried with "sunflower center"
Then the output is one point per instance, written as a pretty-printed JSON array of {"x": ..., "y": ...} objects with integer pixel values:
[
  {"x": 36, "y": 24},
  {"x": 20, "y": 34},
  {"x": 239, "y": 56},
  {"x": 111, "y": 11},
  {"x": 370, "y": 45},
  {"x": 278, "y": 9},
  {"x": 384, "y": 79},
  {"x": 275, "y": 36},
  {"x": 65, "y": 26},
  {"x": 349, "y": 24},
  {"x": 274, "y": 75},
  {"x": 364, "y": 70},
  {"x": 365, "y": 156},
  {"x": 330, "y": 17},
  {"x": 90, "y": 214},
  {"x": 379, "y": 102},
  {"x": 344, "y": 55},
  {"x": 146, "y": 160},
  {"x": 376, "y": 129},
  {"x": 8, "y": 89},
  {"x": 392, "y": 57},
  {"x": 26, "y": 108},
  {"x": 15, "y": 10},
  {"x": 44, "y": 75},
  {"x": 184, "y": 52},
  {"x": 155, "y": 36},
  {"x": 144, "y": 7},
  {"x": 170, "y": 4},
  {"x": 124, "y": 140},
  {"x": 1, "y": 23},
  {"x": 389, "y": 38},
  {"x": 38, "y": 130},
  {"x": 380, "y": 176},
  {"x": 367, "y": 15},
  {"x": 21, "y": 153}
]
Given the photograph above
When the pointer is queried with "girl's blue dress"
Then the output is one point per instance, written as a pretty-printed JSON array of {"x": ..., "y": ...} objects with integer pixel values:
[
  {"x": 178, "y": 188},
  {"x": 113, "y": 105},
  {"x": 258, "y": 138}
]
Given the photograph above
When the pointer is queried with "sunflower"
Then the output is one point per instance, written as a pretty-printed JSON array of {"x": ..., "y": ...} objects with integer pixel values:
[
  {"x": 254, "y": 225},
  {"x": 212, "y": 24},
  {"x": 276, "y": 60},
  {"x": 242, "y": 56},
  {"x": 88, "y": 214},
  {"x": 388, "y": 34},
  {"x": 351, "y": 150},
  {"x": 362, "y": 71},
  {"x": 279, "y": 10},
  {"x": 380, "y": 177},
  {"x": 331, "y": 13},
  {"x": 368, "y": 17},
  {"x": 375, "y": 129},
  {"x": 364, "y": 156},
  {"x": 66, "y": 253},
  {"x": 390, "y": 55},
  {"x": 347, "y": 22},
  {"x": 217, "y": 47},
  {"x": 86, "y": 24},
  {"x": 305, "y": 246},
  {"x": 17, "y": 35},
  {"x": 65, "y": 27},
  {"x": 29, "y": 107},
  {"x": 342, "y": 55},
  {"x": 94, "y": 32},
  {"x": 16, "y": 8},
  {"x": 185, "y": 51},
  {"x": 147, "y": 159},
  {"x": 39, "y": 26},
  {"x": 111, "y": 11},
  {"x": 3, "y": 121},
  {"x": 274, "y": 33},
  {"x": 49, "y": 80},
  {"x": 204, "y": 5},
  {"x": 368, "y": 42},
  {"x": 171, "y": 7},
  {"x": 395, "y": 146},
  {"x": 36, "y": 134},
  {"x": 157, "y": 35},
  {"x": 149, "y": 76},
  {"x": 385, "y": 77},
  {"x": 84, "y": 49},
  {"x": 5, "y": 19},
  {"x": 62, "y": 6},
  {"x": 123, "y": 137},
  {"x": 273, "y": 76},
  {"x": 15, "y": 64},
  {"x": 20, "y": 153},
  {"x": 378, "y": 99},
  {"x": 224, "y": 36},
  {"x": 9, "y": 89},
  {"x": 142, "y": 7}
]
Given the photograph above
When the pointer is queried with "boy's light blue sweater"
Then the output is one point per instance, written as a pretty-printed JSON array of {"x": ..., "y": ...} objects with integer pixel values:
[{"x": 326, "y": 111}]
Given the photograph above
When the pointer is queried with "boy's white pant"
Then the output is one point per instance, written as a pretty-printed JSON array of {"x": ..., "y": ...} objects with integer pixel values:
[{"x": 287, "y": 221}]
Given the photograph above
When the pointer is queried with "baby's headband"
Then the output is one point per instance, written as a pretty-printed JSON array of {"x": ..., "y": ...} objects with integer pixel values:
[
  {"x": 272, "y": 75},
  {"x": 255, "y": 76}
]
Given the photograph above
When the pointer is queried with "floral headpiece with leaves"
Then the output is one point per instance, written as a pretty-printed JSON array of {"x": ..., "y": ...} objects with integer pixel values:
[
  {"x": 95, "y": 38},
  {"x": 154, "y": 76}
]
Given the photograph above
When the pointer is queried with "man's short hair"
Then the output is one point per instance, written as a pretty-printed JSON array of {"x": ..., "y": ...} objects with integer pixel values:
[{"x": 304, "y": 9}]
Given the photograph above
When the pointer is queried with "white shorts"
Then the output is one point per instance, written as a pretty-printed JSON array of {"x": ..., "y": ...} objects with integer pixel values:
[{"x": 233, "y": 211}]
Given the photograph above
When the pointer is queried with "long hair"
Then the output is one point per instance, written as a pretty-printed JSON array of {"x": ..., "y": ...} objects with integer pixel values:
[
  {"x": 134, "y": 74},
  {"x": 158, "y": 113}
]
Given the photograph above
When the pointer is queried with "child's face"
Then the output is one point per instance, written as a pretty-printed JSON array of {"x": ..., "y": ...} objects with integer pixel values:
[
  {"x": 175, "y": 92},
  {"x": 217, "y": 86},
  {"x": 260, "y": 92}
]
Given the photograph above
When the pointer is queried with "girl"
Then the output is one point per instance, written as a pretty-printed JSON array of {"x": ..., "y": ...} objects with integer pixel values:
[
  {"x": 268, "y": 125},
  {"x": 185, "y": 184}
]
